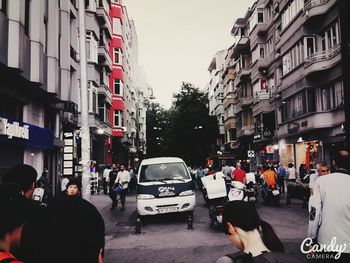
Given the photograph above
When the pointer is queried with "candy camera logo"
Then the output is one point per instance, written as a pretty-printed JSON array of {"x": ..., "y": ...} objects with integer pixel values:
[
  {"x": 322, "y": 251},
  {"x": 166, "y": 191}
]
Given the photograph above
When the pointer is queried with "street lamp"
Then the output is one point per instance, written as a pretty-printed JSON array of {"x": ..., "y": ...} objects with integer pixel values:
[{"x": 100, "y": 131}]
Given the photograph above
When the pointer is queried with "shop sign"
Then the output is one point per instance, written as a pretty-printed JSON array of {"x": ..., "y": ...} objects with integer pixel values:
[
  {"x": 14, "y": 129},
  {"x": 23, "y": 133},
  {"x": 267, "y": 134},
  {"x": 269, "y": 149},
  {"x": 257, "y": 136}
]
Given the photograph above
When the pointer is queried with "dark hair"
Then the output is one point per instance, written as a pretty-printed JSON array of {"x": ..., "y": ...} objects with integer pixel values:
[
  {"x": 23, "y": 175},
  {"x": 71, "y": 230},
  {"x": 15, "y": 208},
  {"x": 343, "y": 160},
  {"x": 290, "y": 165},
  {"x": 74, "y": 181},
  {"x": 244, "y": 215}
]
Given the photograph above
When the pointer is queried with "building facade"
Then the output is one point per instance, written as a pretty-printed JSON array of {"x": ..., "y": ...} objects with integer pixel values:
[
  {"x": 40, "y": 85},
  {"x": 284, "y": 83}
]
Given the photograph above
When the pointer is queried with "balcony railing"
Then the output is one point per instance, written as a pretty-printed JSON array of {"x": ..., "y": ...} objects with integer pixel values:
[
  {"x": 74, "y": 54},
  {"x": 322, "y": 55},
  {"x": 312, "y": 3}
]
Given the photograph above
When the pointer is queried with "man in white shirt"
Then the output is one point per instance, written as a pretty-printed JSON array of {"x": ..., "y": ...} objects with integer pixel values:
[
  {"x": 123, "y": 178},
  {"x": 329, "y": 207},
  {"x": 322, "y": 169},
  {"x": 105, "y": 175},
  {"x": 64, "y": 183}
]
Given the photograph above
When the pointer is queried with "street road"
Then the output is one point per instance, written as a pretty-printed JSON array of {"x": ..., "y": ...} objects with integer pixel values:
[{"x": 166, "y": 238}]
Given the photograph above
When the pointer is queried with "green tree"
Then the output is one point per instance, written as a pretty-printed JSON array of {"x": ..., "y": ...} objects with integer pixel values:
[{"x": 191, "y": 130}]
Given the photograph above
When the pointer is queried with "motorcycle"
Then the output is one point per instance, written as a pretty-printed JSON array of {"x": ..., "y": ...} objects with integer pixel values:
[
  {"x": 250, "y": 193},
  {"x": 217, "y": 196},
  {"x": 271, "y": 194}
]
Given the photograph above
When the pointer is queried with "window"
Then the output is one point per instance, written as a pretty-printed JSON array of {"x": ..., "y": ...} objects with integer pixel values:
[
  {"x": 90, "y": 5},
  {"x": 258, "y": 52},
  {"x": 118, "y": 87},
  {"x": 330, "y": 37},
  {"x": 260, "y": 12},
  {"x": 92, "y": 93},
  {"x": 291, "y": 11},
  {"x": 26, "y": 17},
  {"x": 332, "y": 97},
  {"x": 3, "y": 6},
  {"x": 91, "y": 47},
  {"x": 292, "y": 58},
  {"x": 309, "y": 46},
  {"x": 103, "y": 112},
  {"x": 117, "y": 56},
  {"x": 115, "y": 1},
  {"x": 117, "y": 26},
  {"x": 118, "y": 118}
]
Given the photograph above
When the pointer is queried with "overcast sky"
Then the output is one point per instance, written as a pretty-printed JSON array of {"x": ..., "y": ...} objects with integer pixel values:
[{"x": 178, "y": 39}]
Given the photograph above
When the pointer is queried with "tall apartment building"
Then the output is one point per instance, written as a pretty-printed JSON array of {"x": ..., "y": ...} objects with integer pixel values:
[
  {"x": 40, "y": 86},
  {"x": 284, "y": 82},
  {"x": 216, "y": 95},
  {"x": 126, "y": 96}
]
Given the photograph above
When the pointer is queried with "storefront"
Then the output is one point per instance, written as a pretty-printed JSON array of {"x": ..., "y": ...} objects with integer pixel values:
[{"x": 23, "y": 143}]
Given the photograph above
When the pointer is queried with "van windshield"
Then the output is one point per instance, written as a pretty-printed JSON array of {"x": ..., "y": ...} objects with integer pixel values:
[{"x": 163, "y": 171}]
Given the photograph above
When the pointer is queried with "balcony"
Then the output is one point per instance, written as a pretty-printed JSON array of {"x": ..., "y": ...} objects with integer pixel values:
[
  {"x": 241, "y": 45},
  {"x": 104, "y": 58},
  {"x": 104, "y": 91},
  {"x": 245, "y": 131},
  {"x": 261, "y": 29},
  {"x": 323, "y": 60},
  {"x": 230, "y": 98},
  {"x": 230, "y": 123},
  {"x": 74, "y": 54},
  {"x": 102, "y": 12},
  {"x": 312, "y": 121},
  {"x": 244, "y": 73},
  {"x": 244, "y": 102},
  {"x": 314, "y": 8}
]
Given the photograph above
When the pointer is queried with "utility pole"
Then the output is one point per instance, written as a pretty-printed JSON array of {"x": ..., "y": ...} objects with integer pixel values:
[{"x": 84, "y": 130}]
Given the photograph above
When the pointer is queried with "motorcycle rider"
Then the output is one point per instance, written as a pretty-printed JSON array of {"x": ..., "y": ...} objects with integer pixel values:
[{"x": 270, "y": 178}]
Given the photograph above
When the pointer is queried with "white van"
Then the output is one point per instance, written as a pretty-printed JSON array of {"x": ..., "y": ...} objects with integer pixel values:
[{"x": 164, "y": 185}]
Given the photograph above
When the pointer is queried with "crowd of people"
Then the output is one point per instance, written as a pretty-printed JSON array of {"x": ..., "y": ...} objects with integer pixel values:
[{"x": 60, "y": 230}]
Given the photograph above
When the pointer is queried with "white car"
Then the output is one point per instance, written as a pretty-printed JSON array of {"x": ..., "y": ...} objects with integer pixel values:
[{"x": 164, "y": 185}]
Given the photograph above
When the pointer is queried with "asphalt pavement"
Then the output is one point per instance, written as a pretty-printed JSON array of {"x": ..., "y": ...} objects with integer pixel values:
[{"x": 165, "y": 238}]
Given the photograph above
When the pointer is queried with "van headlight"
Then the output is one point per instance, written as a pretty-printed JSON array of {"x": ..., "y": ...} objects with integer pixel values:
[
  {"x": 186, "y": 193},
  {"x": 144, "y": 196}
]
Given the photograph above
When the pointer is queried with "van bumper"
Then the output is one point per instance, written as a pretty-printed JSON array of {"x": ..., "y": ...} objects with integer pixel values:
[{"x": 166, "y": 205}]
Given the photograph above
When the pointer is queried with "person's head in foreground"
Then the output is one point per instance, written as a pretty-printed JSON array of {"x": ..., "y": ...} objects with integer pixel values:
[
  {"x": 73, "y": 187},
  {"x": 72, "y": 230},
  {"x": 15, "y": 209},
  {"x": 247, "y": 231}
]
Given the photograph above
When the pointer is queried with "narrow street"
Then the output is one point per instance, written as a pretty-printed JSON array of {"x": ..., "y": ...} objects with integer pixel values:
[{"x": 166, "y": 238}]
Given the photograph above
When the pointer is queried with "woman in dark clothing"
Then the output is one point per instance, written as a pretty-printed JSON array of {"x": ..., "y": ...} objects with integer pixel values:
[{"x": 254, "y": 237}]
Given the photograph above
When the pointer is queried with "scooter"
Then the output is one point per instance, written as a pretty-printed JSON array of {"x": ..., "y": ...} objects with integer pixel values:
[
  {"x": 250, "y": 193},
  {"x": 217, "y": 196},
  {"x": 271, "y": 194}
]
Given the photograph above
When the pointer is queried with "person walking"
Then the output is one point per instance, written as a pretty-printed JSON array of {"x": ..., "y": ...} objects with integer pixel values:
[
  {"x": 239, "y": 174},
  {"x": 292, "y": 177},
  {"x": 302, "y": 171},
  {"x": 112, "y": 177},
  {"x": 329, "y": 207},
  {"x": 105, "y": 176},
  {"x": 133, "y": 180},
  {"x": 322, "y": 169},
  {"x": 123, "y": 178},
  {"x": 254, "y": 237},
  {"x": 24, "y": 176},
  {"x": 281, "y": 175},
  {"x": 74, "y": 187}
]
